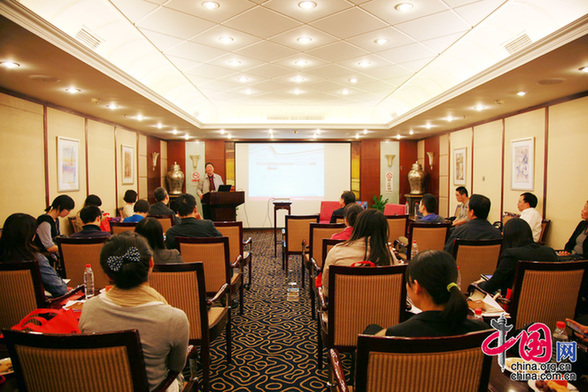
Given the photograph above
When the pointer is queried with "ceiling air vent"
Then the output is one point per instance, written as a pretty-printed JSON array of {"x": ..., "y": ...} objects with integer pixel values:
[
  {"x": 518, "y": 43},
  {"x": 87, "y": 38},
  {"x": 295, "y": 117}
]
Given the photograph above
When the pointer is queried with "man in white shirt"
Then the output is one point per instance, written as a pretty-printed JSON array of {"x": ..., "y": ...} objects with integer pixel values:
[{"x": 527, "y": 203}]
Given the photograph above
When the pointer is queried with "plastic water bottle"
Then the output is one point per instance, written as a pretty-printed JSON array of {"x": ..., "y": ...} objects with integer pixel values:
[
  {"x": 293, "y": 290},
  {"x": 478, "y": 314},
  {"x": 559, "y": 335},
  {"x": 406, "y": 208},
  {"x": 89, "y": 281},
  {"x": 414, "y": 249}
]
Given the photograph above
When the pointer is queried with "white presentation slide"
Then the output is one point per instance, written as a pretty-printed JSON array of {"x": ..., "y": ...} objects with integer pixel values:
[{"x": 305, "y": 173}]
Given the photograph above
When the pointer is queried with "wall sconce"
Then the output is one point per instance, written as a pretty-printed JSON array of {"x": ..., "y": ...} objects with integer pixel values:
[
  {"x": 390, "y": 158},
  {"x": 154, "y": 156},
  {"x": 431, "y": 156},
  {"x": 195, "y": 159}
]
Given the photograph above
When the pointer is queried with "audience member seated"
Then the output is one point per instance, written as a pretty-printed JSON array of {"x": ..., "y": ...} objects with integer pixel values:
[
  {"x": 517, "y": 245},
  {"x": 90, "y": 216},
  {"x": 91, "y": 200},
  {"x": 347, "y": 198},
  {"x": 526, "y": 205},
  {"x": 160, "y": 206},
  {"x": 578, "y": 243},
  {"x": 132, "y": 304},
  {"x": 141, "y": 209},
  {"x": 16, "y": 245},
  {"x": 130, "y": 199},
  {"x": 427, "y": 208},
  {"x": 580, "y": 367},
  {"x": 151, "y": 229},
  {"x": 48, "y": 223},
  {"x": 192, "y": 224},
  {"x": 368, "y": 242},
  {"x": 461, "y": 212},
  {"x": 478, "y": 228},
  {"x": 350, "y": 214},
  {"x": 431, "y": 286}
]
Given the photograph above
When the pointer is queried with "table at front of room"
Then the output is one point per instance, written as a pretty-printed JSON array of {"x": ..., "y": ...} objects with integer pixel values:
[{"x": 279, "y": 205}]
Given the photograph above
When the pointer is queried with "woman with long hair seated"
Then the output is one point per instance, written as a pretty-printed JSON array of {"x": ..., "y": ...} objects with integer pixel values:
[
  {"x": 16, "y": 245},
  {"x": 517, "y": 245},
  {"x": 91, "y": 200},
  {"x": 431, "y": 285},
  {"x": 368, "y": 242},
  {"x": 48, "y": 223},
  {"x": 151, "y": 229},
  {"x": 132, "y": 304}
]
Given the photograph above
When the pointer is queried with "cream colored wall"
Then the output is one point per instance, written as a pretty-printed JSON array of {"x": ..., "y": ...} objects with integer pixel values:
[
  {"x": 487, "y": 163},
  {"x": 128, "y": 138},
  {"x": 460, "y": 139},
  {"x": 421, "y": 152},
  {"x": 143, "y": 165},
  {"x": 163, "y": 160},
  {"x": 22, "y": 172},
  {"x": 71, "y": 126},
  {"x": 530, "y": 124},
  {"x": 444, "y": 193},
  {"x": 101, "y": 164},
  {"x": 567, "y": 189}
]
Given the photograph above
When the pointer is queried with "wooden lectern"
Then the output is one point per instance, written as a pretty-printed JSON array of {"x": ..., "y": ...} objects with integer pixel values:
[{"x": 222, "y": 204}]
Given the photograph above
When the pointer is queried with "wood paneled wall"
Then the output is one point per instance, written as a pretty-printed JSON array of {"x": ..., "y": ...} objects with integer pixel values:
[
  {"x": 370, "y": 170},
  {"x": 432, "y": 145}
]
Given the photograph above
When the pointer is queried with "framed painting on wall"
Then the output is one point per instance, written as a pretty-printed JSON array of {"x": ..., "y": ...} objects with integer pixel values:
[
  {"x": 522, "y": 154},
  {"x": 128, "y": 167},
  {"x": 68, "y": 168},
  {"x": 459, "y": 166}
]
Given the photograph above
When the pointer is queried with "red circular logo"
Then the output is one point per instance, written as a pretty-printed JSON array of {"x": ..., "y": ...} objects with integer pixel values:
[{"x": 195, "y": 177}]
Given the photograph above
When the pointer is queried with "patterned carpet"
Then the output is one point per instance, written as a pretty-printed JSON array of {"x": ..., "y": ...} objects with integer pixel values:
[{"x": 274, "y": 342}]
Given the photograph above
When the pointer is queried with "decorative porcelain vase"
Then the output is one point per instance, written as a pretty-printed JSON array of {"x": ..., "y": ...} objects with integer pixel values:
[
  {"x": 416, "y": 179},
  {"x": 175, "y": 180}
]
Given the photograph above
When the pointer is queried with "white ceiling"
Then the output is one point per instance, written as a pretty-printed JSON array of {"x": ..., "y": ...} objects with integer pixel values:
[{"x": 169, "y": 52}]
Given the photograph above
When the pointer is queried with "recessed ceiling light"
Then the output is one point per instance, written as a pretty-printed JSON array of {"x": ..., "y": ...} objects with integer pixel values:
[
  {"x": 175, "y": 131},
  {"x": 522, "y": 93},
  {"x": 186, "y": 136},
  {"x": 304, "y": 40},
  {"x": 365, "y": 131},
  {"x": 210, "y": 5},
  {"x": 318, "y": 131},
  {"x": 357, "y": 135},
  {"x": 230, "y": 136},
  {"x": 159, "y": 126},
  {"x": 584, "y": 69},
  {"x": 381, "y": 41},
  {"x": 297, "y": 91},
  {"x": 9, "y": 64},
  {"x": 225, "y": 39},
  {"x": 73, "y": 90},
  {"x": 234, "y": 62},
  {"x": 364, "y": 63},
  {"x": 243, "y": 79},
  {"x": 345, "y": 91},
  {"x": 139, "y": 117},
  {"x": 428, "y": 126},
  {"x": 411, "y": 132},
  {"x": 301, "y": 63},
  {"x": 403, "y": 7},
  {"x": 352, "y": 80},
  {"x": 307, "y": 4},
  {"x": 248, "y": 91},
  {"x": 450, "y": 118},
  {"x": 271, "y": 131},
  {"x": 398, "y": 136},
  {"x": 222, "y": 131},
  {"x": 298, "y": 79},
  {"x": 112, "y": 106},
  {"x": 479, "y": 108}
]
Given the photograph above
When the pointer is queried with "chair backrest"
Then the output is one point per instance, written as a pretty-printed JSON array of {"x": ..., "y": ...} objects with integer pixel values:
[
  {"x": 327, "y": 246},
  {"x": 167, "y": 221},
  {"x": 423, "y": 363},
  {"x": 76, "y": 253},
  {"x": 319, "y": 232},
  {"x": 429, "y": 236},
  {"x": 394, "y": 209},
  {"x": 77, "y": 362},
  {"x": 396, "y": 226},
  {"x": 183, "y": 286},
  {"x": 327, "y": 208},
  {"x": 119, "y": 227},
  {"x": 544, "y": 227},
  {"x": 360, "y": 296},
  {"x": 234, "y": 232},
  {"x": 72, "y": 223},
  {"x": 21, "y": 291},
  {"x": 214, "y": 254},
  {"x": 298, "y": 230},
  {"x": 475, "y": 257},
  {"x": 506, "y": 216},
  {"x": 340, "y": 220},
  {"x": 546, "y": 292}
]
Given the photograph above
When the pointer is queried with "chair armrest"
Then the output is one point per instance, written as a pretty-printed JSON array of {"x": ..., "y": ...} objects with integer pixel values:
[
  {"x": 237, "y": 262},
  {"x": 58, "y": 300},
  {"x": 219, "y": 294},
  {"x": 247, "y": 241},
  {"x": 171, "y": 376},
  {"x": 338, "y": 373},
  {"x": 315, "y": 266},
  {"x": 322, "y": 299}
]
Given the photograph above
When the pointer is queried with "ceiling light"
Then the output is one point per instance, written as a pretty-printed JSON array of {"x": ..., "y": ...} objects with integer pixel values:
[
  {"x": 364, "y": 63},
  {"x": 398, "y": 136},
  {"x": 248, "y": 91},
  {"x": 522, "y": 93},
  {"x": 304, "y": 40},
  {"x": 271, "y": 131},
  {"x": 73, "y": 90},
  {"x": 222, "y": 131},
  {"x": 584, "y": 69},
  {"x": 139, "y": 117},
  {"x": 403, "y": 7},
  {"x": 428, "y": 126},
  {"x": 318, "y": 131},
  {"x": 226, "y": 39},
  {"x": 411, "y": 132},
  {"x": 479, "y": 108},
  {"x": 230, "y": 136},
  {"x": 297, "y": 91},
  {"x": 159, "y": 126},
  {"x": 381, "y": 41},
  {"x": 186, "y": 136},
  {"x": 234, "y": 62},
  {"x": 353, "y": 80},
  {"x": 9, "y": 64},
  {"x": 365, "y": 131},
  {"x": 301, "y": 63},
  {"x": 112, "y": 106},
  {"x": 450, "y": 118},
  {"x": 210, "y": 5},
  {"x": 243, "y": 79},
  {"x": 298, "y": 79},
  {"x": 175, "y": 131},
  {"x": 307, "y": 4},
  {"x": 345, "y": 91},
  {"x": 357, "y": 135}
]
